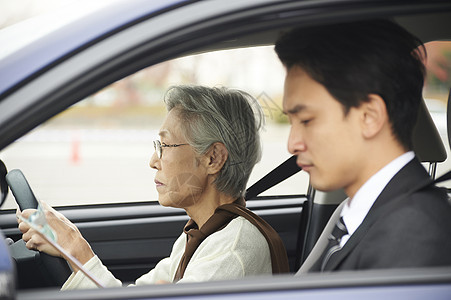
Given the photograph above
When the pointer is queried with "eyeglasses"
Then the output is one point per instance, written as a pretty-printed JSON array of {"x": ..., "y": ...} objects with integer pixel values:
[{"x": 159, "y": 147}]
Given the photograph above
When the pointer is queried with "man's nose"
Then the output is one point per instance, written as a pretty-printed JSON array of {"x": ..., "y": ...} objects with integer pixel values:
[{"x": 296, "y": 142}]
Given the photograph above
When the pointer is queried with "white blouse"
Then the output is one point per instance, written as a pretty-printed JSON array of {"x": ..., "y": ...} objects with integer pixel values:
[{"x": 236, "y": 251}]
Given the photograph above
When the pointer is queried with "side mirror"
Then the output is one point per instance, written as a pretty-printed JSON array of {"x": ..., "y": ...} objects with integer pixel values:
[{"x": 3, "y": 183}]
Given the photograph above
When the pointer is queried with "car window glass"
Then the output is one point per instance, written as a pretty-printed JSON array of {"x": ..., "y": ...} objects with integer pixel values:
[
  {"x": 436, "y": 89},
  {"x": 98, "y": 150}
]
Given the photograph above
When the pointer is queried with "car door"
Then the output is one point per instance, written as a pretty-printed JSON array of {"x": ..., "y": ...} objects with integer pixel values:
[{"x": 89, "y": 174}]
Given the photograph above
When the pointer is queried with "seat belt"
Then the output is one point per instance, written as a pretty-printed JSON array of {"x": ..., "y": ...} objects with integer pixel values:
[{"x": 285, "y": 170}]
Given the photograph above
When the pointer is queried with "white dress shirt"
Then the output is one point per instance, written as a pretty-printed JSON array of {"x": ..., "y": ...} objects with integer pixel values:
[{"x": 356, "y": 210}]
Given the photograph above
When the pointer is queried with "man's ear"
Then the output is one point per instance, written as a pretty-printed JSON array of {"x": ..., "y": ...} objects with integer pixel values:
[
  {"x": 216, "y": 157},
  {"x": 374, "y": 115}
]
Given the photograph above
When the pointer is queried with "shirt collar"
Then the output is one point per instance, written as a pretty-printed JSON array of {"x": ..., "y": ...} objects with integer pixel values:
[{"x": 355, "y": 211}]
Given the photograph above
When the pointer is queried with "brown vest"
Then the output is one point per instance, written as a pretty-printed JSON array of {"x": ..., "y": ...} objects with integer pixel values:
[{"x": 222, "y": 216}]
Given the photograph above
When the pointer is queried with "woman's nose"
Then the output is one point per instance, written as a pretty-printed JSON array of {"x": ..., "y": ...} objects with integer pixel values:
[{"x": 154, "y": 161}]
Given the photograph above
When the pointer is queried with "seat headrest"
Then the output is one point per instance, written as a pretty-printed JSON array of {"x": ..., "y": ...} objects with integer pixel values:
[{"x": 427, "y": 143}]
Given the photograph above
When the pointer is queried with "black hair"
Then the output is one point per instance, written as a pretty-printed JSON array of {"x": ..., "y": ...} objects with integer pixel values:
[{"x": 353, "y": 60}]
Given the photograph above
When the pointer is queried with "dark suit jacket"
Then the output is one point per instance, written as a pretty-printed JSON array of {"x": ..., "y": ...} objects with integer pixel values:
[{"x": 415, "y": 232}]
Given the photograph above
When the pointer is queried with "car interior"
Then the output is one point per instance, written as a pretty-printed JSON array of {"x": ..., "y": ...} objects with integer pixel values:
[{"x": 131, "y": 237}]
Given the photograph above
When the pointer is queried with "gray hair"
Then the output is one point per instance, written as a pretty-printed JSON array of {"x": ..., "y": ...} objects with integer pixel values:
[{"x": 228, "y": 116}]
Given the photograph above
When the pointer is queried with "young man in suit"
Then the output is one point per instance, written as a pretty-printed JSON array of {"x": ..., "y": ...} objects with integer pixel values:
[{"x": 352, "y": 93}]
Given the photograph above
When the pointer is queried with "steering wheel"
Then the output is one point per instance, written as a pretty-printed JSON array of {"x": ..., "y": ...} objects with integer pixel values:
[{"x": 35, "y": 269}]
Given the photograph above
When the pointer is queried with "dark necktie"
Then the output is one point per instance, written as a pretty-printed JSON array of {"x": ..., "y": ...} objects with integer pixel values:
[{"x": 334, "y": 242}]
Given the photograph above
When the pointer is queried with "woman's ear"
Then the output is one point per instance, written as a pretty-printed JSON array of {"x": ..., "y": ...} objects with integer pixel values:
[
  {"x": 216, "y": 157},
  {"x": 374, "y": 115}
]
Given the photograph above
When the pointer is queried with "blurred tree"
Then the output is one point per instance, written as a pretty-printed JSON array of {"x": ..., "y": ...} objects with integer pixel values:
[{"x": 438, "y": 66}]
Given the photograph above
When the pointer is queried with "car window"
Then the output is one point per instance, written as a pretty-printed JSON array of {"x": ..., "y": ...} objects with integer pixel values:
[
  {"x": 98, "y": 150},
  {"x": 436, "y": 90}
]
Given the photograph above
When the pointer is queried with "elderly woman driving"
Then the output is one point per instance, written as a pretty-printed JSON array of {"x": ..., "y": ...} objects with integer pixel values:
[{"x": 208, "y": 146}]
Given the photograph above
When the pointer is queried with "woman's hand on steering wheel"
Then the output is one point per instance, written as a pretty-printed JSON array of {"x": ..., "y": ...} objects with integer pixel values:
[{"x": 68, "y": 235}]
